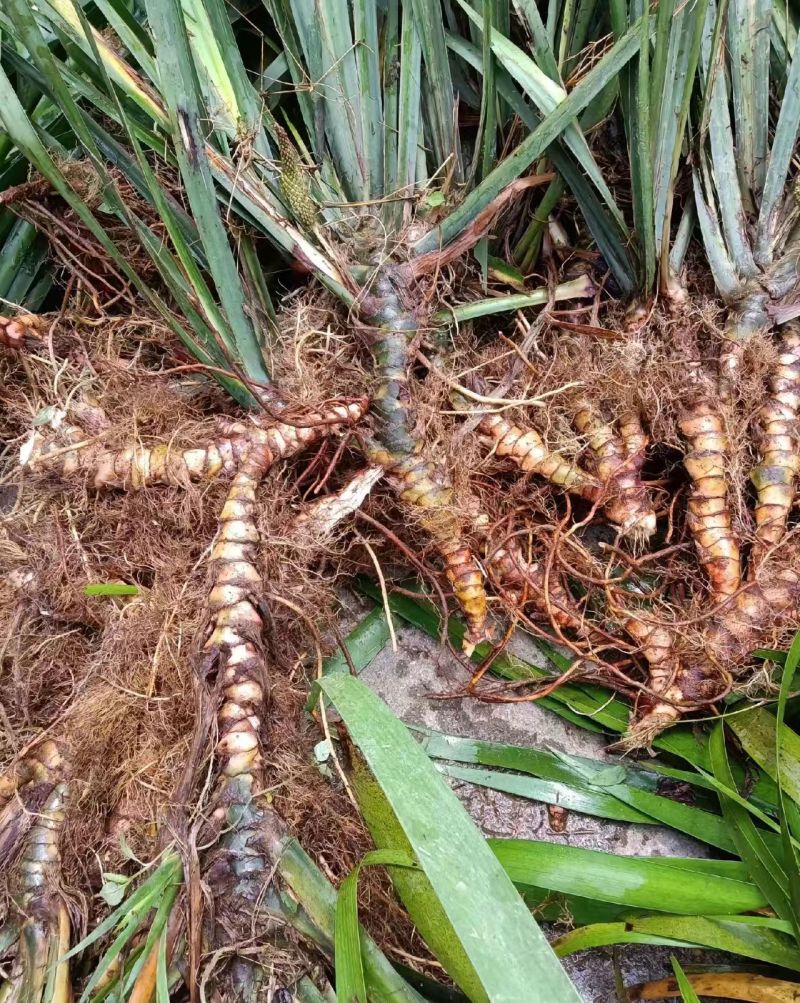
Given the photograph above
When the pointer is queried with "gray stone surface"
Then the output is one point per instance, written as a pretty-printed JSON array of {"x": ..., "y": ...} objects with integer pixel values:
[{"x": 410, "y": 680}]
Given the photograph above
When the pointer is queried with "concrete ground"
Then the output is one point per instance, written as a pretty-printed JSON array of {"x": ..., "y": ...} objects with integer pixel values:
[{"x": 406, "y": 679}]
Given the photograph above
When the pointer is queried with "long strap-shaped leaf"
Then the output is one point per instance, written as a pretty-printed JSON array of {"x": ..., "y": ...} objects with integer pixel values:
[
  {"x": 185, "y": 238},
  {"x": 21, "y": 129},
  {"x": 762, "y": 864},
  {"x": 748, "y": 41},
  {"x": 509, "y": 956},
  {"x": 612, "y": 242},
  {"x": 408, "y": 110},
  {"x": 722, "y": 268},
  {"x": 365, "y": 17},
  {"x": 543, "y": 50},
  {"x": 635, "y": 98},
  {"x": 228, "y": 92},
  {"x": 783, "y": 148},
  {"x": 551, "y": 127},
  {"x": 244, "y": 184},
  {"x": 179, "y": 87},
  {"x": 130, "y": 33},
  {"x": 683, "y": 53},
  {"x": 758, "y": 730},
  {"x": 723, "y": 154},
  {"x": 687, "y": 886},
  {"x": 748, "y": 936},
  {"x": 546, "y": 95},
  {"x": 439, "y": 95},
  {"x": 329, "y": 67}
]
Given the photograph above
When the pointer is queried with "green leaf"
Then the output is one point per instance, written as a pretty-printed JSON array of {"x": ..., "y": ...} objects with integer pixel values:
[
  {"x": 162, "y": 977},
  {"x": 609, "y": 777},
  {"x": 570, "y": 771},
  {"x": 169, "y": 871},
  {"x": 579, "y": 288},
  {"x": 70, "y": 19},
  {"x": 438, "y": 88},
  {"x": 502, "y": 272},
  {"x": 605, "y": 231},
  {"x": 408, "y": 113},
  {"x": 486, "y": 915},
  {"x": 688, "y": 994},
  {"x": 547, "y": 95},
  {"x": 684, "y": 985},
  {"x": 157, "y": 927},
  {"x": 761, "y": 863},
  {"x": 568, "y": 781},
  {"x": 89, "y": 135},
  {"x": 687, "y": 886},
  {"x": 391, "y": 211},
  {"x": 212, "y": 328},
  {"x": 178, "y": 80},
  {"x": 112, "y": 891},
  {"x": 636, "y": 101},
  {"x": 350, "y": 984},
  {"x": 551, "y": 127},
  {"x": 130, "y": 32},
  {"x": 783, "y": 36},
  {"x": 434, "y": 200},
  {"x": 680, "y": 244},
  {"x": 569, "y": 796},
  {"x": 771, "y": 655},
  {"x": 365, "y": 20},
  {"x": 158, "y": 892},
  {"x": 110, "y": 589},
  {"x": 756, "y": 729},
  {"x": 486, "y": 140},
  {"x": 240, "y": 183},
  {"x": 737, "y": 935},
  {"x": 222, "y": 75},
  {"x": 723, "y": 154},
  {"x": 722, "y": 268},
  {"x": 317, "y": 897},
  {"x": 589, "y": 706},
  {"x": 783, "y": 148},
  {"x": 326, "y": 56},
  {"x": 667, "y": 132},
  {"x": 790, "y": 856},
  {"x": 363, "y": 643},
  {"x": 542, "y": 48},
  {"x": 696, "y": 822},
  {"x": 748, "y": 64},
  {"x": 24, "y": 258}
]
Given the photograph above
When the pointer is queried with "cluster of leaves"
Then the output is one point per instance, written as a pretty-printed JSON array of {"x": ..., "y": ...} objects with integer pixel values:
[
  {"x": 346, "y": 81},
  {"x": 181, "y": 93},
  {"x": 740, "y": 786}
]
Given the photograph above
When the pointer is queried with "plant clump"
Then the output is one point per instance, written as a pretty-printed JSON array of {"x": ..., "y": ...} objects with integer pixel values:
[{"x": 499, "y": 303}]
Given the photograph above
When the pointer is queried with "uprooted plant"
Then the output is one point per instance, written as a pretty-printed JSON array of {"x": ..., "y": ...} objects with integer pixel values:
[{"x": 356, "y": 174}]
